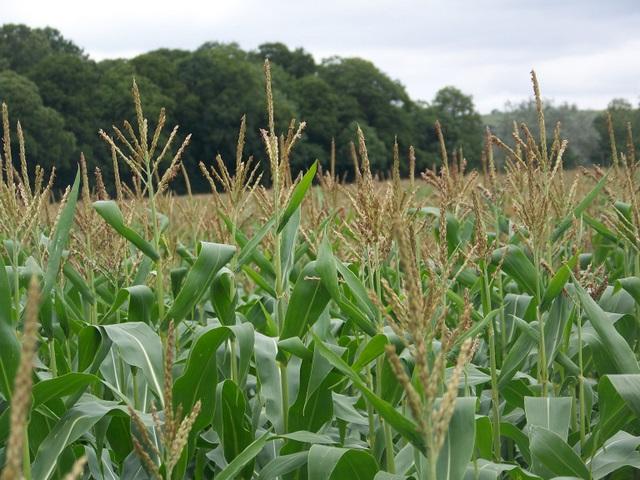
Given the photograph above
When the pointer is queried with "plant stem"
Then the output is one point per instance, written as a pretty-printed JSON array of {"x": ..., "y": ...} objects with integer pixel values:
[
  {"x": 371, "y": 416},
  {"x": 52, "y": 358},
  {"x": 232, "y": 361},
  {"x": 495, "y": 398},
  {"x": 581, "y": 380},
  {"x": 156, "y": 238},
  {"x": 284, "y": 385},
  {"x": 542, "y": 355},
  {"x": 16, "y": 282},
  {"x": 388, "y": 437}
]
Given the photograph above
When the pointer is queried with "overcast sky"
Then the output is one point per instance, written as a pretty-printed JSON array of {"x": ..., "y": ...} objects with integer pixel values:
[{"x": 584, "y": 51}]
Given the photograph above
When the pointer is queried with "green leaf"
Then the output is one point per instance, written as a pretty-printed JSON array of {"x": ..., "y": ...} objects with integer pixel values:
[
  {"x": 108, "y": 209},
  {"x": 310, "y": 411},
  {"x": 74, "y": 277},
  {"x": 224, "y": 296},
  {"x": 298, "y": 195},
  {"x": 615, "y": 346},
  {"x": 141, "y": 347},
  {"x": 601, "y": 228},
  {"x": 453, "y": 227},
  {"x": 307, "y": 437},
  {"x": 141, "y": 302},
  {"x": 516, "y": 356},
  {"x": 199, "y": 376},
  {"x": 372, "y": 350},
  {"x": 9, "y": 345},
  {"x": 288, "y": 240},
  {"x": 619, "y": 451},
  {"x": 308, "y": 300},
  {"x": 579, "y": 210},
  {"x": 343, "y": 408},
  {"x": 557, "y": 283},
  {"x": 102, "y": 468},
  {"x": 282, "y": 465},
  {"x": 249, "y": 248},
  {"x": 619, "y": 403},
  {"x": 553, "y": 414},
  {"x": 244, "y": 459},
  {"x": 61, "y": 386},
  {"x": 211, "y": 258},
  {"x": 327, "y": 269},
  {"x": 259, "y": 280},
  {"x": 333, "y": 463},
  {"x": 518, "y": 266},
  {"x": 74, "y": 423},
  {"x": 93, "y": 346},
  {"x": 555, "y": 454},
  {"x": 400, "y": 423},
  {"x": 631, "y": 285},
  {"x": 486, "y": 470},
  {"x": 268, "y": 374},
  {"x": 320, "y": 369},
  {"x": 231, "y": 423},
  {"x": 458, "y": 446},
  {"x": 245, "y": 338},
  {"x": 60, "y": 238},
  {"x": 357, "y": 289}
]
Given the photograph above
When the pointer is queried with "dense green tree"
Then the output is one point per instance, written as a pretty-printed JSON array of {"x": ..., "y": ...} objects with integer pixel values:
[
  {"x": 47, "y": 141},
  {"x": 425, "y": 142},
  {"x": 296, "y": 63},
  {"x": 221, "y": 86},
  {"x": 461, "y": 123},
  {"x": 367, "y": 94},
  {"x": 69, "y": 83},
  {"x": 22, "y": 47},
  {"x": 208, "y": 90},
  {"x": 622, "y": 115},
  {"x": 161, "y": 67},
  {"x": 318, "y": 105},
  {"x": 575, "y": 125},
  {"x": 113, "y": 104}
]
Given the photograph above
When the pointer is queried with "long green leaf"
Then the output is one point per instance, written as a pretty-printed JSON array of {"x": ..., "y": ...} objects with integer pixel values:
[
  {"x": 200, "y": 375},
  {"x": 333, "y": 463},
  {"x": 298, "y": 195},
  {"x": 580, "y": 208},
  {"x": 141, "y": 347},
  {"x": 554, "y": 414},
  {"x": 518, "y": 266},
  {"x": 402, "y": 424},
  {"x": 211, "y": 258},
  {"x": 75, "y": 422},
  {"x": 243, "y": 459},
  {"x": 555, "y": 454},
  {"x": 9, "y": 346},
  {"x": 615, "y": 346},
  {"x": 108, "y": 209},
  {"x": 458, "y": 446},
  {"x": 308, "y": 300}
]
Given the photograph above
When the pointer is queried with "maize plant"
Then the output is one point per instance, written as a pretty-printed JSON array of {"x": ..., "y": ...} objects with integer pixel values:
[{"x": 455, "y": 325}]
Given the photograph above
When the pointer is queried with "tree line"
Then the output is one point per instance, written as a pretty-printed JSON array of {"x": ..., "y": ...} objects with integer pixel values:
[{"x": 62, "y": 97}]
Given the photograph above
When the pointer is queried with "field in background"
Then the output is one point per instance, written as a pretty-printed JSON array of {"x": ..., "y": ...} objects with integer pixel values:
[{"x": 452, "y": 325}]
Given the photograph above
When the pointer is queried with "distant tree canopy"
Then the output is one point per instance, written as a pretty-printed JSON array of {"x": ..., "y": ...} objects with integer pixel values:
[
  {"x": 577, "y": 126},
  {"x": 625, "y": 120},
  {"x": 586, "y": 130},
  {"x": 62, "y": 98}
]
